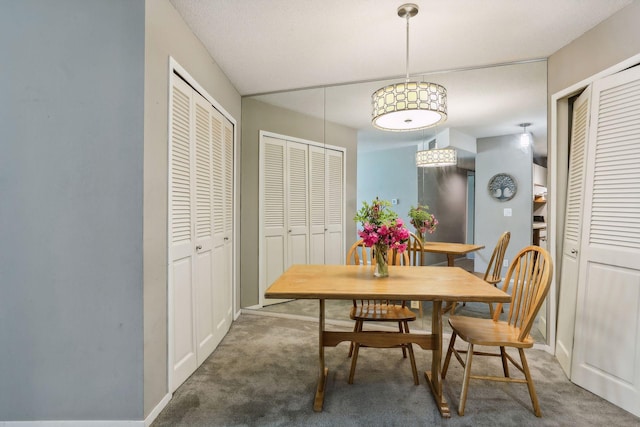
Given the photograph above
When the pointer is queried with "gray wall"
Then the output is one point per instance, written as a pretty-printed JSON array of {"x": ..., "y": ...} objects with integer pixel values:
[
  {"x": 444, "y": 190},
  {"x": 71, "y": 213},
  {"x": 166, "y": 35},
  {"x": 259, "y": 116},
  {"x": 502, "y": 154}
]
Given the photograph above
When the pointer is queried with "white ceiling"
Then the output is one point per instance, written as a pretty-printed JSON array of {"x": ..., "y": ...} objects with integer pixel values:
[{"x": 266, "y": 46}]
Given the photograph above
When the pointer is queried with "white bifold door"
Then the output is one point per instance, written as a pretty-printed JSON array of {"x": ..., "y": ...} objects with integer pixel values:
[
  {"x": 301, "y": 207},
  {"x": 606, "y": 352},
  {"x": 572, "y": 231},
  {"x": 200, "y": 229}
]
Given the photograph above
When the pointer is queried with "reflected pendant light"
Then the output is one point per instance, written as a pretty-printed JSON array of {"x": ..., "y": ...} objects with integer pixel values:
[
  {"x": 525, "y": 137},
  {"x": 410, "y": 105},
  {"x": 436, "y": 157}
]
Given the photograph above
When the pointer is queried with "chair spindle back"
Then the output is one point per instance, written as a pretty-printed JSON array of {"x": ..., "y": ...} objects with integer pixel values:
[{"x": 531, "y": 272}]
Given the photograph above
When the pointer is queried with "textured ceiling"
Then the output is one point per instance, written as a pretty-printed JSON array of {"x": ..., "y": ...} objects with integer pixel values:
[{"x": 276, "y": 45}]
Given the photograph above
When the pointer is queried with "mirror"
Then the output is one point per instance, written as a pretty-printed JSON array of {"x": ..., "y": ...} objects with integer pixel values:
[{"x": 482, "y": 103}]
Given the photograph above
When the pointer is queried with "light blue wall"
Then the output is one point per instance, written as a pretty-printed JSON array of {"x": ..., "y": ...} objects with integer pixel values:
[
  {"x": 502, "y": 154},
  {"x": 387, "y": 174},
  {"x": 71, "y": 92}
]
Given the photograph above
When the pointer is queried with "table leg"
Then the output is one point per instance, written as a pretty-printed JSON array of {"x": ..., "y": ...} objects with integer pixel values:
[
  {"x": 434, "y": 377},
  {"x": 450, "y": 263},
  {"x": 451, "y": 258},
  {"x": 322, "y": 370}
]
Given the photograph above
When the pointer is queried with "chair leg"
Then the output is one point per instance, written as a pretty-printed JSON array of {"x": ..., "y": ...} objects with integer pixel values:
[
  {"x": 412, "y": 357},
  {"x": 355, "y": 329},
  {"x": 505, "y": 362},
  {"x": 354, "y": 360},
  {"x": 532, "y": 390},
  {"x": 404, "y": 347},
  {"x": 445, "y": 366},
  {"x": 465, "y": 380}
]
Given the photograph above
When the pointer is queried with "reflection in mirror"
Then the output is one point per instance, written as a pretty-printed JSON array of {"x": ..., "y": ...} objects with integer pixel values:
[{"x": 485, "y": 106}]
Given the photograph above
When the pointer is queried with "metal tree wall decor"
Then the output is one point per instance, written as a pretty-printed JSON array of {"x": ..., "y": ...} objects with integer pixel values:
[{"x": 502, "y": 187}]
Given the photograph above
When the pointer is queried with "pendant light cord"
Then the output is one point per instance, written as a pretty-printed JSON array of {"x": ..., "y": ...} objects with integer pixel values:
[{"x": 407, "y": 77}]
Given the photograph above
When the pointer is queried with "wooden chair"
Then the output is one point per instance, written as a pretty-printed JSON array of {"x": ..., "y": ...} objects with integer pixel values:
[
  {"x": 531, "y": 273},
  {"x": 416, "y": 250},
  {"x": 493, "y": 274},
  {"x": 379, "y": 310}
]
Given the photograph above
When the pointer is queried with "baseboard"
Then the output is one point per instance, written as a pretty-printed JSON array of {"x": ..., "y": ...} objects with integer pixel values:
[
  {"x": 94, "y": 423},
  {"x": 73, "y": 423},
  {"x": 156, "y": 411}
]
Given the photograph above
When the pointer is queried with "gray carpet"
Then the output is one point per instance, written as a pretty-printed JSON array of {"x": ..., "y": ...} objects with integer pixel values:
[{"x": 264, "y": 374}]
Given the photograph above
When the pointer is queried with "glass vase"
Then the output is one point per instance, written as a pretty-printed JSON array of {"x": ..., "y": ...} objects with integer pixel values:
[{"x": 382, "y": 262}]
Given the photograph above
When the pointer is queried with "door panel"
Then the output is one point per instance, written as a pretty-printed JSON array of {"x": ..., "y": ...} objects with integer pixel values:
[
  {"x": 203, "y": 229},
  {"x": 622, "y": 285},
  {"x": 182, "y": 310},
  {"x": 297, "y": 207},
  {"x": 274, "y": 264},
  {"x": 184, "y": 354},
  {"x": 204, "y": 305},
  {"x": 317, "y": 204},
  {"x": 272, "y": 201},
  {"x": 334, "y": 212},
  {"x": 607, "y": 338},
  {"x": 573, "y": 224},
  {"x": 227, "y": 252},
  {"x": 223, "y": 216}
]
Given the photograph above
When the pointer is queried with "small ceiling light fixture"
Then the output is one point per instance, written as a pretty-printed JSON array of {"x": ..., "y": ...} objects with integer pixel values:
[
  {"x": 436, "y": 157},
  {"x": 525, "y": 138},
  {"x": 409, "y": 105}
]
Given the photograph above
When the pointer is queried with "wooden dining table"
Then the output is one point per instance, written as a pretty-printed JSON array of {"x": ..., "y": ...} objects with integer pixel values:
[
  {"x": 452, "y": 250},
  {"x": 348, "y": 282}
]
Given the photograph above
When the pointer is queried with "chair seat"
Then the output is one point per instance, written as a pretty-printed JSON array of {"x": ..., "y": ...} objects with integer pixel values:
[
  {"x": 488, "y": 279},
  {"x": 488, "y": 332},
  {"x": 382, "y": 313}
]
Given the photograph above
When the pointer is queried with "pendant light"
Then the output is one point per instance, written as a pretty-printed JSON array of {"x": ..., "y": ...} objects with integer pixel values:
[
  {"x": 436, "y": 157},
  {"x": 525, "y": 138},
  {"x": 410, "y": 105}
]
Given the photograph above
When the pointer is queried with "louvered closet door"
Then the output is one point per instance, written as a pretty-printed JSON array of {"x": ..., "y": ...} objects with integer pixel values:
[
  {"x": 317, "y": 204},
  {"x": 204, "y": 254},
  {"x": 222, "y": 225},
  {"x": 334, "y": 212},
  {"x": 572, "y": 231},
  {"x": 606, "y": 357},
  {"x": 181, "y": 242},
  {"x": 273, "y": 255},
  {"x": 297, "y": 206},
  {"x": 227, "y": 295}
]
